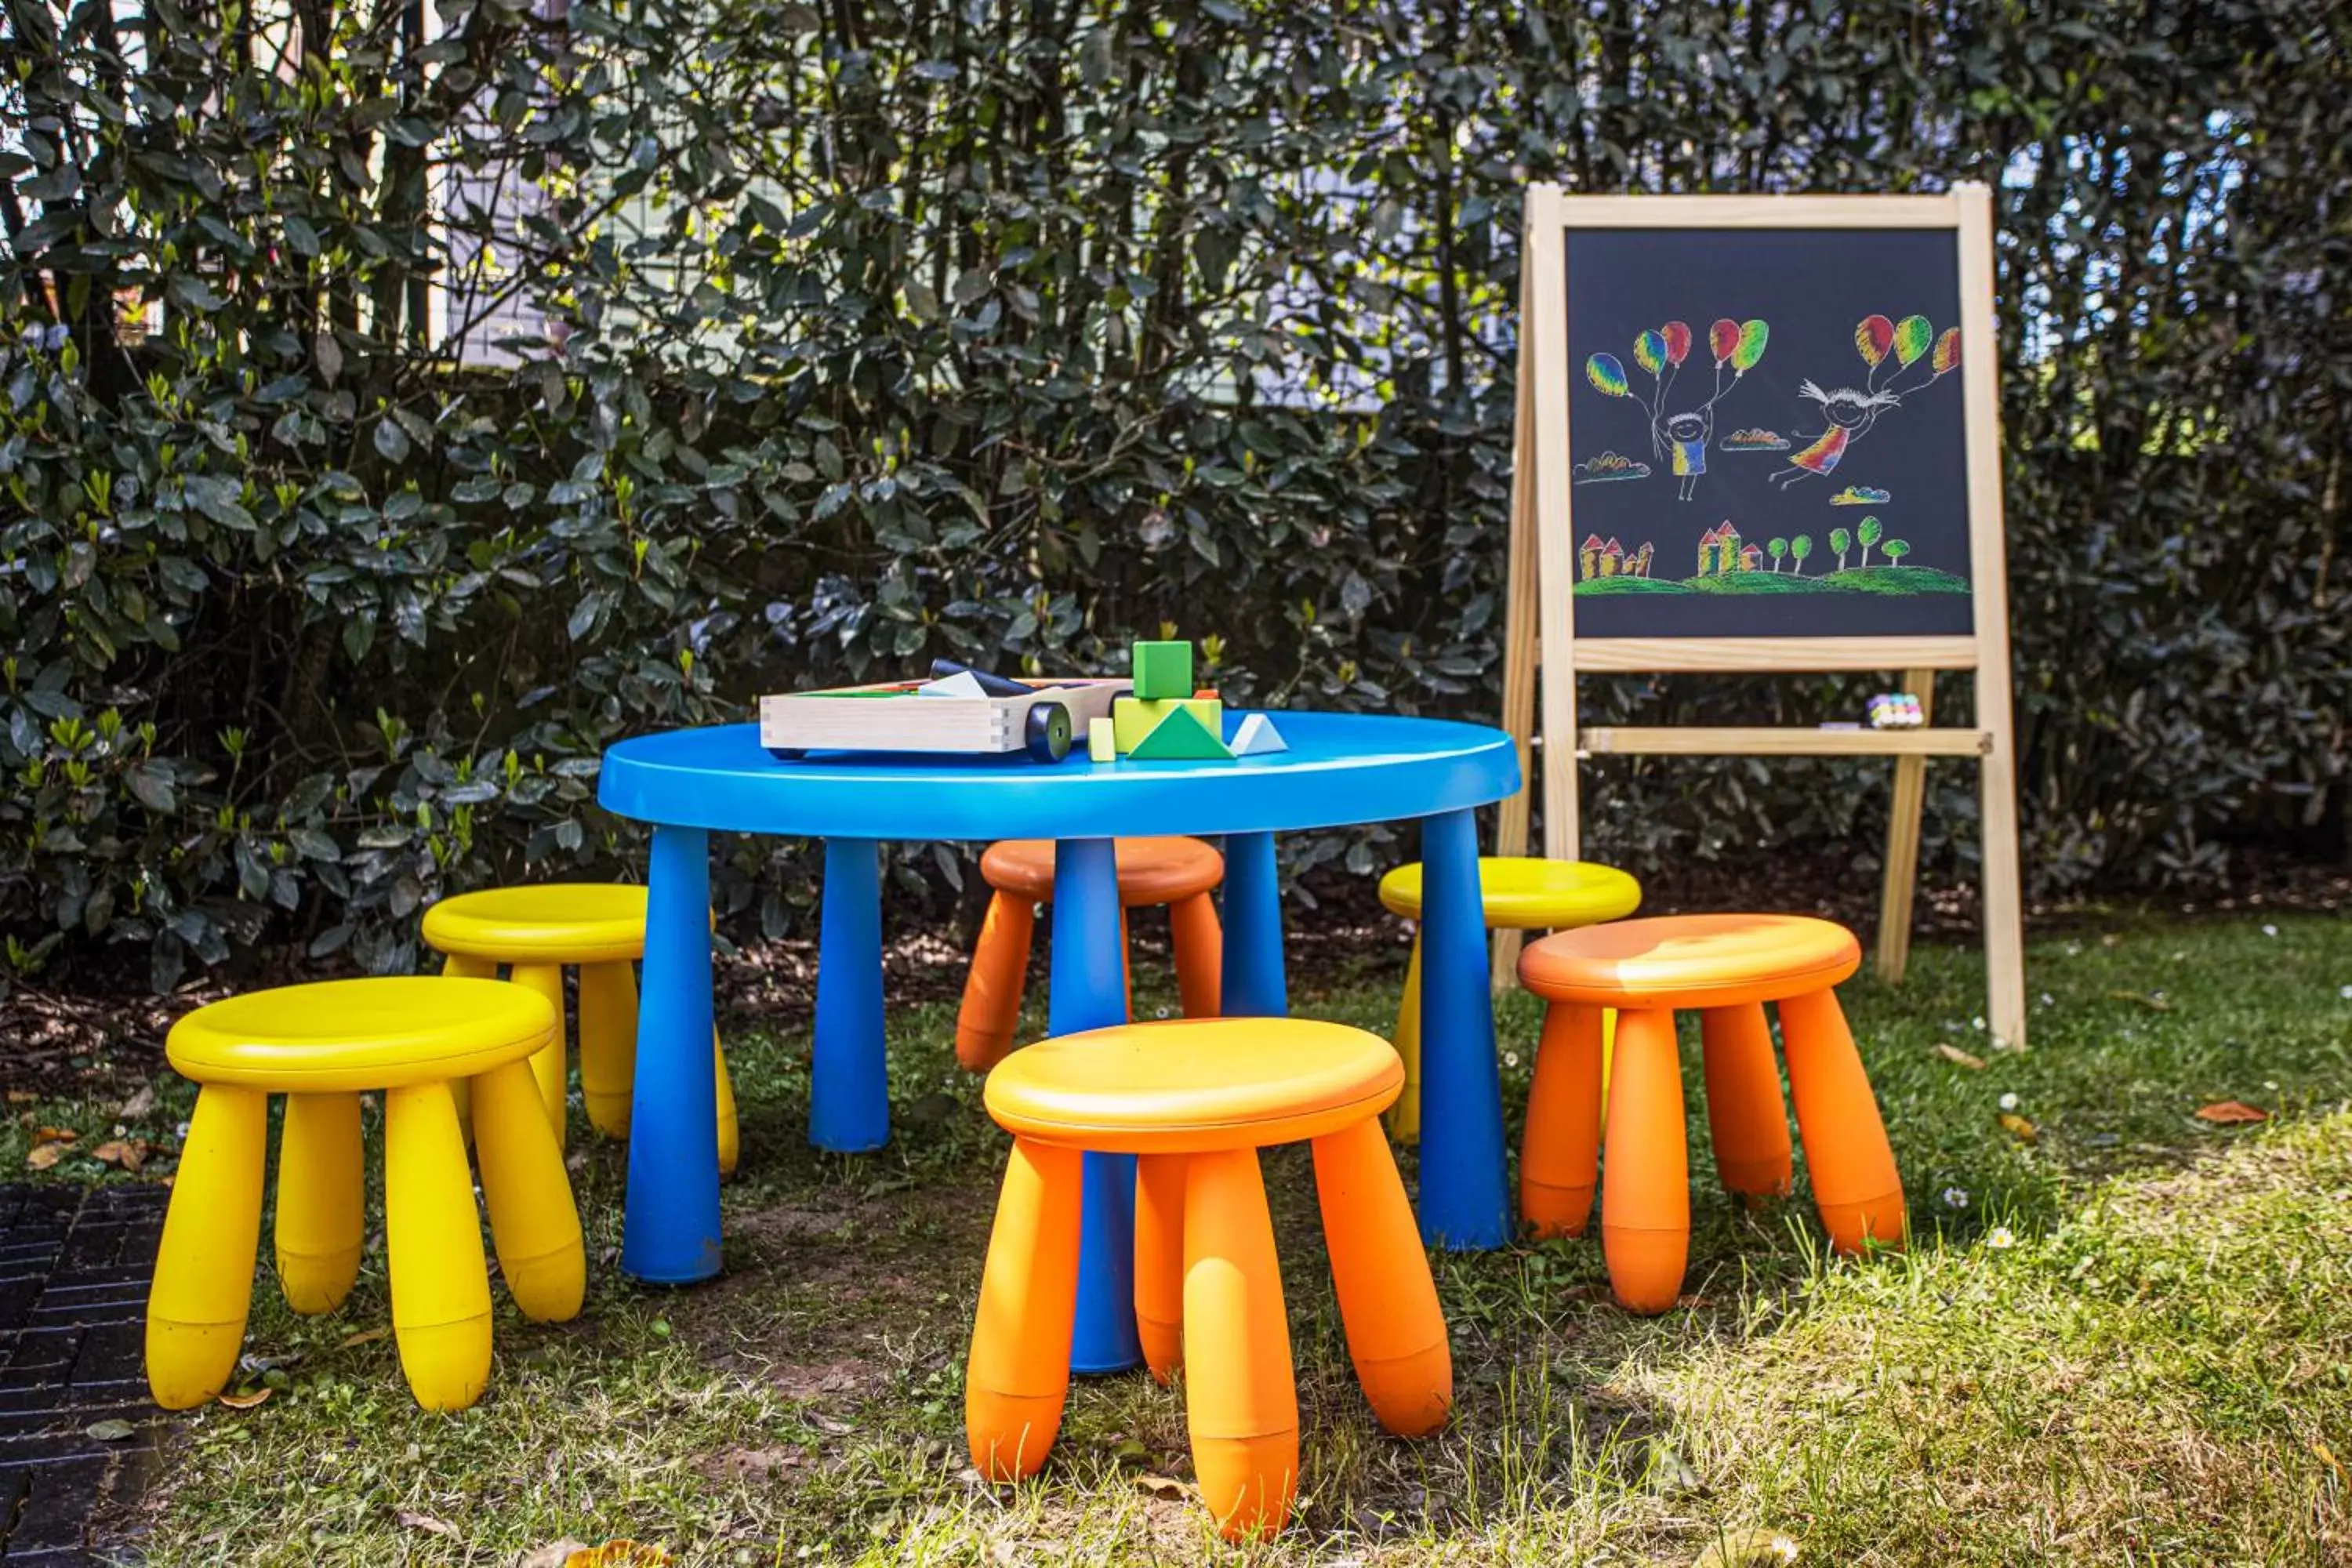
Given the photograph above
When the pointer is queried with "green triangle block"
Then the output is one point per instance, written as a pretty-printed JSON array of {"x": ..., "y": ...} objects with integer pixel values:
[{"x": 1179, "y": 738}]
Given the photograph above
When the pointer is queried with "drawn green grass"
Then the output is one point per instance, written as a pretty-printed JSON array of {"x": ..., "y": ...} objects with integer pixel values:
[
  {"x": 1898, "y": 580},
  {"x": 1885, "y": 581},
  {"x": 1628, "y": 585},
  {"x": 1757, "y": 582}
]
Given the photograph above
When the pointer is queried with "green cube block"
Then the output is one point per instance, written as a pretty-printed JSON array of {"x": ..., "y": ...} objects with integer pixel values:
[{"x": 1163, "y": 671}]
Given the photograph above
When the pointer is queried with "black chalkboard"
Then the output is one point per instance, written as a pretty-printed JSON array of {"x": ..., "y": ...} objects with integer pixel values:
[{"x": 1844, "y": 427}]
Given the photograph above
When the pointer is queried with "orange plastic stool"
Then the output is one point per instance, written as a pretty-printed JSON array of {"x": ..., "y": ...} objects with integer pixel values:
[
  {"x": 1178, "y": 872},
  {"x": 1727, "y": 967},
  {"x": 1195, "y": 1100}
]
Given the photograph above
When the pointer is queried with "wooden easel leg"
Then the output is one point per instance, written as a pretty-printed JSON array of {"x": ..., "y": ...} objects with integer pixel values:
[
  {"x": 2004, "y": 899},
  {"x": 1903, "y": 842},
  {"x": 1521, "y": 609}
]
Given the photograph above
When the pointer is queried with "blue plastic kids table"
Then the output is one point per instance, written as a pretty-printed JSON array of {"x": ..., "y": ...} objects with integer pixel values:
[{"x": 1340, "y": 770}]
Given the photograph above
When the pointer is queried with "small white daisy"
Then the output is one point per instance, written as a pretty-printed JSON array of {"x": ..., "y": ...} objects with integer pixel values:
[
  {"x": 1956, "y": 1197},
  {"x": 1977, "y": 1024},
  {"x": 2269, "y": 930},
  {"x": 1784, "y": 1549},
  {"x": 2009, "y": 1101},
  {"x": 1999, "y": 1238}
]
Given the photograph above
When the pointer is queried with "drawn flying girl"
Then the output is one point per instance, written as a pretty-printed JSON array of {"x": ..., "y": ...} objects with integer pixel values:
[
  {"x": 1848, "y": 413},
  {"x": 1682, "y": 438}
]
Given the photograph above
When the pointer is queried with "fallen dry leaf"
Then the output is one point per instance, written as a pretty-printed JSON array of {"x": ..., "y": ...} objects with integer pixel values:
[
  {"x": 1166, "y": 1487},
  {"x": 620, "y": 1554},
  {"x": 142, "y": 1101},
  {"x": 2327, "y": 1456},
  {"x": 2229, "y": 1112},
  {"x": 364, "y": 1337},
  {"x": 54, "y": 1135},
  {"x": 127, "y": 1152},
  {"x": 2019, "y": 1127},
  {"x": 246, "y": 1401},
  {"x": 2153, "y": 1002},
  {"x": 426, "y": 1521},
  {"x": 43, "y": 1155},
  {"x": 1748, "y": 1549},
  {"x": 1954, "y": 1054},
  {"x": 22, "y": 1097},
  {"x": 554, "y": 1554}
]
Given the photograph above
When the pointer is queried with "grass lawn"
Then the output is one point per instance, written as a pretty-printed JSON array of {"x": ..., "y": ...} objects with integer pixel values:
[{"x": 2123, "y": 1334}]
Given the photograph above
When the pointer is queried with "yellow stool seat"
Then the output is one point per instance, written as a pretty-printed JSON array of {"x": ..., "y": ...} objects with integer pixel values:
[
  {"x": 1194, "y": 1100},
  {"x": 1191, "y": 1084},
  {"x": 1515, "y": 893},
  {"x": 346, "y": 1035},
  {"x": 416, "y": 1041},
  {"x": 600, "y": 928},
  {"x": 552, "y": 922},
  {"x": 1523, "y": 893}
]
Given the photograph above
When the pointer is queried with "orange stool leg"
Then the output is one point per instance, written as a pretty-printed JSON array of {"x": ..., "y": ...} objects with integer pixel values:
[
  {"x": 1846, "y": 1153},
  {"x": 1019, "y": 1372},
  {"x": 1160, "y": 1262},
  {"x": 1558, "y": 1164},
  {"x": 1200, "y": 944},
  {"x": 547, "y": 1064},
  {"x": 1396, "y": 1333},
  {"x": 1241, "y": 1399},
  {"x": 1744, "y": 1112},
  {"x": 1646, "y": 1183},
  {"x": 991, "y": 992}
]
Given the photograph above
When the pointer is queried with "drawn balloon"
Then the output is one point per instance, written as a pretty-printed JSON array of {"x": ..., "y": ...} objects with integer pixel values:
[
  {"x": 1650, "y": 350},
  {"x": 1873, "y": 336},
  {"x": 1947, "y": 352},
  {"x": 1723, "y": 339},
  {"x": 1678, "y": 342},
  {"x": 1750, "y": 347},
  {"x": 1606, "y": 374},
  {"x": 1912, "y": 338}
]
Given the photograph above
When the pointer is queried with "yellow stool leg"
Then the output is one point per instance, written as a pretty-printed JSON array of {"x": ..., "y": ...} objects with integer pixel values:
[
  {"x": 731, "y": 1132},
  {"x": 1404, "y": 1116},
  {"x": 1241, "y": 1399},
  {"x": 440, "y": 1285},
  {"x": 1019, "y": 1373},
  {"x": 1396, "y": 1333},
  {"x": 204, "y": 1269},
  {"x": 1160, "y": 1262},
  {"x": 321, "y": 1188},
  {"x": 547, "y": 1064},
  {"x": 532, "y": 1218},
  {"x": 465, "y": 966},
  {"x": 608, "y": 1044}
]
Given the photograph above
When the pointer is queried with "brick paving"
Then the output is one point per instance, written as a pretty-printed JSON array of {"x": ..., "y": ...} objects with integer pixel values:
[{"x": 74, "y": 1267}]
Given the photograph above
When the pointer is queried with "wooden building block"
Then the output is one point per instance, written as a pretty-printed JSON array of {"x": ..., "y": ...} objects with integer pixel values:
[
  {"x": 1102, "y": 739},
  {"x": 1180, "y": 737},
  {"x": 1163, "y": 671},
  {"x": 1136, "y": 718}
]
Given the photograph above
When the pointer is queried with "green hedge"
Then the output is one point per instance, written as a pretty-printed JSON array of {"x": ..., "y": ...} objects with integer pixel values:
[{"x": 881, "y": 332}]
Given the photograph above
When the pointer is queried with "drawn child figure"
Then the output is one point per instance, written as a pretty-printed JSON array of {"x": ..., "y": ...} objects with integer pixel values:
[
  {"x": 1685, "y": 436},
  {"x": 1849, "y": 416}
]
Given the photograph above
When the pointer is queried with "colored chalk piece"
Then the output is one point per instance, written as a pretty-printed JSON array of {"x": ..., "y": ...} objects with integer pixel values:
[
  {"x": 1180, "y": 737},
  {"x": 1135, "y": 718},
  {"x": 1256, "y": 737},
  {"x": 1102, "y": 739},
  {"x": 1163, "y": 671}
]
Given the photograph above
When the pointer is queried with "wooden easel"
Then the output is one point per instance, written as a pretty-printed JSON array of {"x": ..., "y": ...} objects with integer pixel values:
[{"x": 1539, "y": 597}]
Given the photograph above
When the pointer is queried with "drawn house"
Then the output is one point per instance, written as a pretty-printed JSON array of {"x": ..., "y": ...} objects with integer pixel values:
[
  {"x": 1589, "y": 555},
  {"x": 1612, "y": 559},
  {"x": 1638, "y": 564},
  {"x": 1751, "y": 558},
  {"x": 1720, "y": 551}
]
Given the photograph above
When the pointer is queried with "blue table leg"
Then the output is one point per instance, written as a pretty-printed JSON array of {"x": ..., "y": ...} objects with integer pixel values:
[
  {"x": 1253, "y": 982},
  {"x": 849, "y": 1087},
  {"x": 1464, "y": 1204},
  {"x": 669, "y": 1232},
  {"x": 1089, "y": 992}
]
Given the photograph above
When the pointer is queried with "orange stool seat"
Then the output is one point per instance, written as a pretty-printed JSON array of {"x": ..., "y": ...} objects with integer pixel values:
[
  {"x": 1178, "y": 872},
  {"x": 1725, "y": 967},
  {"x": 1194, "y": 1100}
]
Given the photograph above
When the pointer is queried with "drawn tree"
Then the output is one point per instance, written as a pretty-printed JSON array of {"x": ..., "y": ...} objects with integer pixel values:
[
  {"x": 1840, "y": 542},
  {"x": 1870, "y": 533},
  {"x": 1799, "y": 548},
  {"x": 1778, "y": 548},
  {"x": 1896, "y": 549}
]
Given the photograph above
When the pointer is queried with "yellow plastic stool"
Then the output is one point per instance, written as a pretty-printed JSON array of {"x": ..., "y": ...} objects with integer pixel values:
[
  {"x": 600, "y": 928},
  {"x": 1518, "y": 894},
  {"x": 321, "y": 1046}
]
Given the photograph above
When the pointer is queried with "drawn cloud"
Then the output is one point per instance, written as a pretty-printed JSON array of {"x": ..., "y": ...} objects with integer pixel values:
[
  {"x": 1754, "y": 440},
  {"x": 1608, "y": 466},
  {"x": 1861, "y": 495}
]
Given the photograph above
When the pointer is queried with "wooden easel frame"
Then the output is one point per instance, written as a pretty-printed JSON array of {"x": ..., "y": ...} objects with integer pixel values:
[{"x": 1542, "y": 575}]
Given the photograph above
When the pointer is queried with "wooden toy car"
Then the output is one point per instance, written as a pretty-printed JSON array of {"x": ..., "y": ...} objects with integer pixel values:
[{"x": 1043, "y": 718}]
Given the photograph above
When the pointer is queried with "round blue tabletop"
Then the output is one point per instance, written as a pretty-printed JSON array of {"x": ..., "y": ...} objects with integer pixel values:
[{"x": 1342, "y": 769}]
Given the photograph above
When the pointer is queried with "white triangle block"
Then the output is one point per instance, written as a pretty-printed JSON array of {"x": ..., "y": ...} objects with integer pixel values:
[
  {"x": 1256, "y": 738},
  {"x": 962, "y": 683}
]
